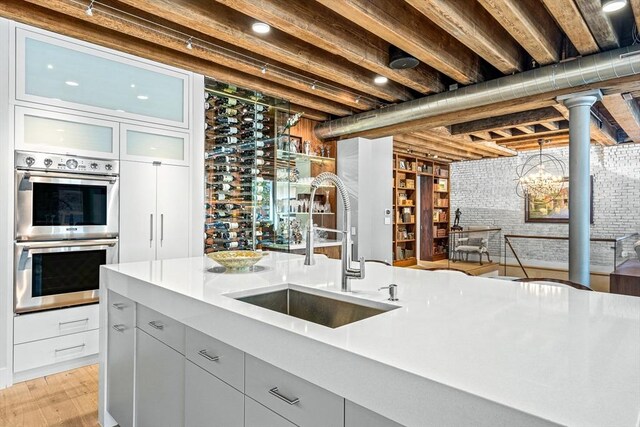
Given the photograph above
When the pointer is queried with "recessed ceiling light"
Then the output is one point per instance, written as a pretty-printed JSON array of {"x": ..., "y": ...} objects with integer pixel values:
[
  {"x": 380, "y": 80},
  {"x": 133, "y": 85},
  {"x": 49, "y": 66},
  {"x": 72, "y": 83},
  {"x": 260, "y": 28},
  {"x": 142, "y": 97},
  {"x": 613, "y": 5}
]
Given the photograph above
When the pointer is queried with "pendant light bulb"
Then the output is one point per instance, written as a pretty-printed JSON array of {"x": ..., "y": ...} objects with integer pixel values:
[
  {"x": 613, "y": 5},
  {"x": 89, "y": 10},
  {"x": 264, "y": 69},
  {"x": 189, "y": 44},
  {"x": 313, "y": 86}
]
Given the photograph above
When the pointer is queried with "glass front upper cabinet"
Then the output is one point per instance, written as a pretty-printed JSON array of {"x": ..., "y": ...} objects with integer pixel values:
[
  {"x": 53, "y": 132},
  {"x": 67, "y": 74},
  {"x": 144, "y": 144}
]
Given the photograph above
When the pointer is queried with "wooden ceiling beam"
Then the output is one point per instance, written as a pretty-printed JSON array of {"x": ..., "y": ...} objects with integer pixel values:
[
  {"x": 337, "y": 35},
  {"x": 406, "y": 142},
  {"x": 408, "y": 150},
  {"x": 568, "y": 16},
  {"x": 139, "y": 29},
  {"x": 310, "y": 113},
  {"x": 401, "y": 25},
  {"x": 599, "y": 24},
  {"x": 601, "y": 130},
  {"x": 525, "y": 118},
  {"x": 625, "y": 113},
  {"x": 474, "y": 27},
  {"x": 635, "y": 7},
  {"x": 443, "y": 140},
  {"x": 548, "y": 138},
  {"x": 550, "y": 125},
  {"x": 233, "y": 27},
  {"x": 531, "y": 26},
  {"x": 526, "y": 129},
  {"x": 463, "y": 141},
  {"x": 505, "y": 133},
  {"x": 436, "y": 145},
  {"x": 37, "y": 16},
  {"x": 498, "y": 149}
]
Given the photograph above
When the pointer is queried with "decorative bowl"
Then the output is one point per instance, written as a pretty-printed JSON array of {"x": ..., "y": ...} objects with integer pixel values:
[{"x": 236, "y": 260}]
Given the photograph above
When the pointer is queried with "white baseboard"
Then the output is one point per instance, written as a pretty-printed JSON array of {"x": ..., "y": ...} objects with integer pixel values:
[
  {"x": 54, "y": 369},
  {"x": 6, "y": 379}
]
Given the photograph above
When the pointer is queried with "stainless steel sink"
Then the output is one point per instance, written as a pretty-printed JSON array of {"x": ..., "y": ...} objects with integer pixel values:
[{"x": 316, "y": 306}]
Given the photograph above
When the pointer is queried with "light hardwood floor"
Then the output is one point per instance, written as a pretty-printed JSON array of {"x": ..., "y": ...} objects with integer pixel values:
[{"x": 66, "y": 399}]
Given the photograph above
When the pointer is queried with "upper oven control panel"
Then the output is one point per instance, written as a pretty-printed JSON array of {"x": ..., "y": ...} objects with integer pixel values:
[{"x": 58, "y": 163}]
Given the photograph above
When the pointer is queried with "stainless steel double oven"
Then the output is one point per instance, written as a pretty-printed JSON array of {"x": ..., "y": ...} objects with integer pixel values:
[{"x": 66, "y": 217}]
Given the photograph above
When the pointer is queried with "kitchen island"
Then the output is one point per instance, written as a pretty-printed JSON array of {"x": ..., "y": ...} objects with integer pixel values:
[{"x": 458, "y": 350}]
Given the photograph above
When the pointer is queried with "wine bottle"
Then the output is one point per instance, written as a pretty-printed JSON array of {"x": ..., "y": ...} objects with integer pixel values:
[
  {"x": 223, "y": 120},
  {"x": 240, "y": 244},
  {"x": 225, "y": 130},
  {"x": 225, "y": 159},
  {"x": 226, "y": 139},
  {"x": 254, "y": 126},
  {"x": 251, "y": 134},
  {"x": 224, "y": 111},
  {"x": 222, "y": 168},
  {"x": 251, "y": 152},
  {"x": 222, "y": 178},
  {"x": 219, "y": 150},
  {"x": 255, "y": 117},
  {"x": 255, "y": 108},
  {"x": 230, "y": 206},
  {"x": 217, "y": 215},
  {"x": 223, "y": 101},
  {"x": 251, "y": 145}
]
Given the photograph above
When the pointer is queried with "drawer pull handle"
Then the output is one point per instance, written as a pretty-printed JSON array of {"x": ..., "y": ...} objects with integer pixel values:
[
  {"x": 57, "y": 350},
  {"x": 119, "y": 305},
  {"x": 120, "y": 328},
  {"x": 274, "y": 391},
  {"x": 157, "y": 325},
  {"x": 86, "y": 319},
  {"x": 207, "y": 356}
]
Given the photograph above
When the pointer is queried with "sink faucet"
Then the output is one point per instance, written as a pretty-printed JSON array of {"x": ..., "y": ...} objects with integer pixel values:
[{"x": 347, "y": 272}]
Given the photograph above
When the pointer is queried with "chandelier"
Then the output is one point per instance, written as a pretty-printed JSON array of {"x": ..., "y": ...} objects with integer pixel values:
[{"x": 541, "y": 176}]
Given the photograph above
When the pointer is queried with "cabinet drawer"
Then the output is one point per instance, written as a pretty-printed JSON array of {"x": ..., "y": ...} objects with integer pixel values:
[
  {"x": 121, "y": 310},
  {"x": 161, "y": 327},
  {"x": 54, "y": 350},
  {"x": 256, "y": 415},
  {"x": 54, "y": 323},
  {"x": 297, "y": 400},
  {"x": 218, "y": 358}
]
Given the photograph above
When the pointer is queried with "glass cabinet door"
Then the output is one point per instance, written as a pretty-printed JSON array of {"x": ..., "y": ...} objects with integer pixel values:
[
  {"x": 51, "y": 132},
  {"x": 148, "y": 144},
  {"x": 68, "y": 74}
]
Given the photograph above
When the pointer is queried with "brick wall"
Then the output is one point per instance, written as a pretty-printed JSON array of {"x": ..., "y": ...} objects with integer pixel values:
[{"x": 485, "y": 192}]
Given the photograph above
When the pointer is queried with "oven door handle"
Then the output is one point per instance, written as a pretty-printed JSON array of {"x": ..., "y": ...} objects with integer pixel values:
[
  {"x": 102, "y": 243},
  {"x": 111, "y": 179}
]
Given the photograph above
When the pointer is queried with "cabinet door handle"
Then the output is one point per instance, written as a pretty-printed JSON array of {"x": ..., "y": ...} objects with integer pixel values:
[
  {"x": 119, "y": 306},
  {"x": 157, "y": 324},
  {"x": 120, "y": 328},
  {"x": 161, "y": 228},
  {"x": 57, "y": 350},
  {"x": 86, "y": 319},
  {"x": 207, "y": 356},
  {"x": 151, "y": 227},
  {"x": 274, "y": 391}
]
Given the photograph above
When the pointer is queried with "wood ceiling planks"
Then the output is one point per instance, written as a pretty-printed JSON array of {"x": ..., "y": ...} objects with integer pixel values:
[
  {"x": 336, "y": 34},
  {"x": 626, "y": 113},
  {"x": 568, "y": 16},
  {"x": 599, "y": 23}
]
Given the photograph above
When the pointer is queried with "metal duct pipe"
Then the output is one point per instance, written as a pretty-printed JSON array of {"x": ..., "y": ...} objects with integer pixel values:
[{"x": 586, "y": 70}]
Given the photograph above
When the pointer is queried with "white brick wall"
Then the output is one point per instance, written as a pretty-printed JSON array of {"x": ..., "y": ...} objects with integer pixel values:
[{"x": 484, "y": 190}]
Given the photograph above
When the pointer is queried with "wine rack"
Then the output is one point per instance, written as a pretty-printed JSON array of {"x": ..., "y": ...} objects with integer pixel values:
[{"x": 239, "y": 167}]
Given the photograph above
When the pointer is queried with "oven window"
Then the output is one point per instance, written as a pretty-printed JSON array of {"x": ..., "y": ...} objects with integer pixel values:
[
  {"x": 65, "y": 272},
  {"x": 64, "y": 204}
]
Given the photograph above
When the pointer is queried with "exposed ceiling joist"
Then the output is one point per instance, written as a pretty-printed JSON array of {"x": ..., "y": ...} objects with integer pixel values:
[
  {"x": 412, "y": 143},
  {"x": 625, "y": 113},
  {"x": 524, "y": 118},
  {"x": 22, "y": 11},
  {"x": 233, "y": 27},
  {"x": 551, "y": 125},
  {"x": 140, "y": 30},
  {"x": 398, "y": 23},
  {"x": 530, "y": 25},
  {"x": 436, "y": 145},
  {"x": 442, "y": 140},
  {"x": 443, "y": 133},
  {"x": 473, "y": 26},
  {"x": 599, "y": 24},
  {"x": 526, "y": 129},
  {"x": 568, "y": 16},
  {"x": 505, "y": 133},
  {"x": 498, "y": 149},
  {"x": 601, "y": 131},
  {"x": 635, "y": 6},
  {"x": 336, "y": 34},
  {"x": 408, "y": 149}
]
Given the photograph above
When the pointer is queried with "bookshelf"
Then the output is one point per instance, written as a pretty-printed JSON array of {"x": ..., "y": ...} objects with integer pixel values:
[{"x": 424, "y": 184}]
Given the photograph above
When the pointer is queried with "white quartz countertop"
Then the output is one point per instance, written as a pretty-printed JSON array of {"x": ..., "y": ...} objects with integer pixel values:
[{"x": 460, "y": 350}]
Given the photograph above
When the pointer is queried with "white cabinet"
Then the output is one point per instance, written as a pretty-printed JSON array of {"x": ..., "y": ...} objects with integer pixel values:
[
  {"x": 357, "y": 416},
  {"x": 210, "y": 401},
  {"x": 120, "y": 359},
  {"x": 141, "y": 143},
  {"x": 154, "y": 211},
  {"x": 159, "y": 383},
  {"x": 256, "y": 415},
  {"x": 52, "y": 132},
  {"x": 62, "y": 72}
]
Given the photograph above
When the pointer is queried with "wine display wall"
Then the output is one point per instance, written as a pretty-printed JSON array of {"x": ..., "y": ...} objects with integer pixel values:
[{"x": 239, "y": 168}]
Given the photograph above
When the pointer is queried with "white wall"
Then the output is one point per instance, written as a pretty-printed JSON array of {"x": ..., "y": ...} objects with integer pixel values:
[
  {"x": 365, "y": 166},
  {"x": 484, "y": 190}
]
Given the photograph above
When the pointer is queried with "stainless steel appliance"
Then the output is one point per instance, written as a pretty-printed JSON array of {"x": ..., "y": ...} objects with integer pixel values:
[
  {"x": 65, "y": 197},
  {"x": 60, "y": 273},
  {"x": 66, "y": 215}
]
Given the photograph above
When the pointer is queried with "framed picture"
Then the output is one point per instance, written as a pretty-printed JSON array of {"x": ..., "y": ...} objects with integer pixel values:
[
  {"x": 295, "y": 144},
  {"x": 555, "y": 210},
  {"x": 402, "y": 164}
]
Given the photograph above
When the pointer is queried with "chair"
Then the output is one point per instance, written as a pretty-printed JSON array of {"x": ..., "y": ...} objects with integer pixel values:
[
  {"x": 446, "y": 270},
  {"x": 554, "y": 282},
  {"x": 475, "y": 243}
]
